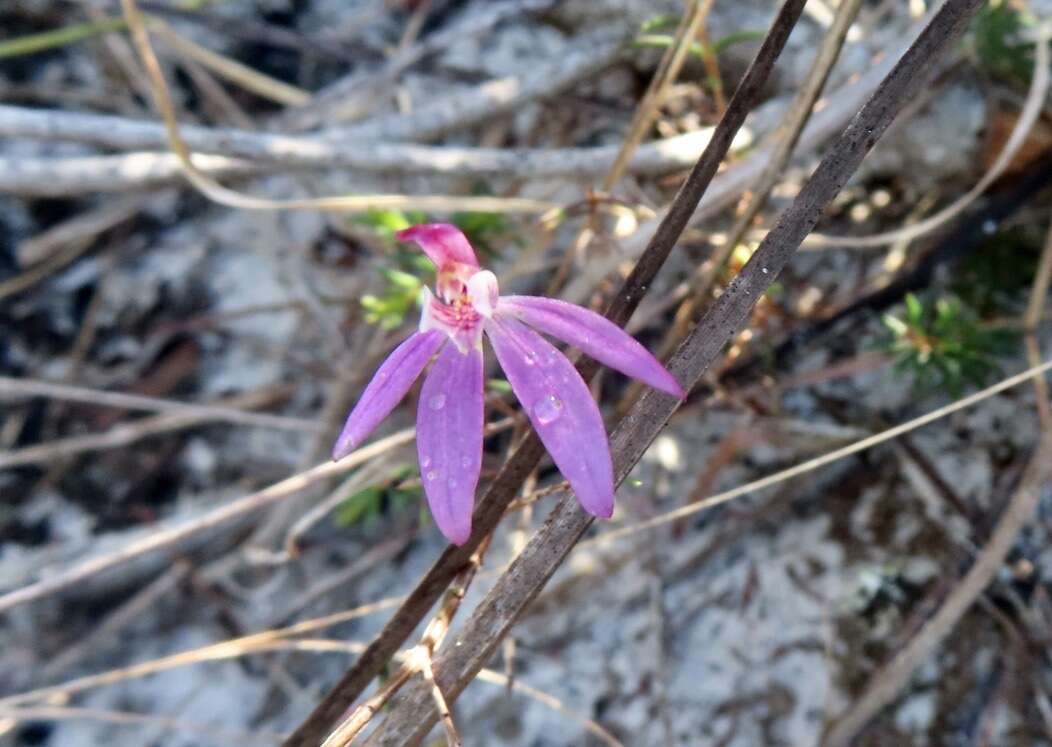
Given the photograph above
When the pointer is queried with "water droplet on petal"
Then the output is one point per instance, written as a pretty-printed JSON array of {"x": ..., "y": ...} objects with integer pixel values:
[
  {"x": 437, "y": 402},
  {"x": 432, "y": 475},
  {"x": 548, "y": 409},
  {"x": 452, "y": 483},
  {"x": 425, "y": 462},
  {"x": 465, "y": 462}
]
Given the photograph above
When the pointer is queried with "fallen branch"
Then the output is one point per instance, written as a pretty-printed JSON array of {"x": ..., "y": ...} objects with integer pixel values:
[
  {"x": 169, "y": 540},
  {"x": 266, "y": 152},
  {"x": 11, "y": 388}
]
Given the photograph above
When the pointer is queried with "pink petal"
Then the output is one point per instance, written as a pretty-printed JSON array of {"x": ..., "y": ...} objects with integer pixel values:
[
  {"x": 449, "y": 423},
  {"x": 389, "y": 385},
  {"x": 442, "y": 243},
  {"x": 594, "y": 335},
  {"x": 561, "y": 409}
]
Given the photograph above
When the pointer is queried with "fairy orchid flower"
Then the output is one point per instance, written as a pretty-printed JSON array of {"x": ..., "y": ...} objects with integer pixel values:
[{"x": 449, "y": 418}]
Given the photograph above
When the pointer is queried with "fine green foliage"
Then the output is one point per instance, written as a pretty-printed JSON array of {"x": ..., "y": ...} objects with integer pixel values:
[
  {"x": 943, "y": 346},
  {"x": 368, "y": 504},
  {"x": 997, "y": 43},
  {"x": 398, "y": 298},
  {"x": 650, "y": 37},
  {"x": 995, "y": 279}
]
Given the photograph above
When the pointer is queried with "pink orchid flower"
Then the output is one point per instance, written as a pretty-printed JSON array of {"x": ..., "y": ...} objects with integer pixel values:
[{"x": 449, "y": 419}]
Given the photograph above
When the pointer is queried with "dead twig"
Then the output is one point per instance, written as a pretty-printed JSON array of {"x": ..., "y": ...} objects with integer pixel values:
[
  {"x": 136, "y": 430},
  {"x": 247, "y": 151},
  {"x": 11, "y": 388},
  {"x": 416, "y": 661}
]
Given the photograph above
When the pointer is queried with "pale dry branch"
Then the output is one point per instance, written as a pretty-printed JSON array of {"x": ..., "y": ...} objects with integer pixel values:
[
  {"x": 260, "y": 151},
  {"x": 585, "y": 56},
  {"x": 222, "y": 195},
  {"x": 165, "y": 540},
  {"x": 136, "y": 430},
  {"x": 13, "y": 389}
]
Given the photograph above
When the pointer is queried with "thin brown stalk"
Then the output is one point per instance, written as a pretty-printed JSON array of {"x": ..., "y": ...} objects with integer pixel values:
[
  {"x": 646, "y": 112},
  {"x": 785, "y": 138},
  {"x": 416, "y": 661}
]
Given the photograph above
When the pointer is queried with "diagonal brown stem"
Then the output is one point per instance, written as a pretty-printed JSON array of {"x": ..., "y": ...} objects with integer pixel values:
[
  {"x": 463, "y": 656},
  {"x": 526, "y": 456}
]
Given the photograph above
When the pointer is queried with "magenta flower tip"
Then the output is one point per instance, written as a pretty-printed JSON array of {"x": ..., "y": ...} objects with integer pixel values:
[
  {"x": 444, "y": 244},
  {"x": 450, "y": 416}
]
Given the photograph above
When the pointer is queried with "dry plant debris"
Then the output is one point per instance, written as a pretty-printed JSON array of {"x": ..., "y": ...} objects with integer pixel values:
[{"x": 841, "y": 536}]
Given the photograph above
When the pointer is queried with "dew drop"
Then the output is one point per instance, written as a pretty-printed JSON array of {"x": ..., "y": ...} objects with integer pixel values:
[
  {"x": 425, "y": 462},
  {"x": 452, "y": 483},
  {"x": 465, "y": 462},
  {"x": 548, "y": 409},
  {"x": 432, "y": 475},
  {"x": 764, "y": 270},
  {"x": 437, "y": 402}
]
